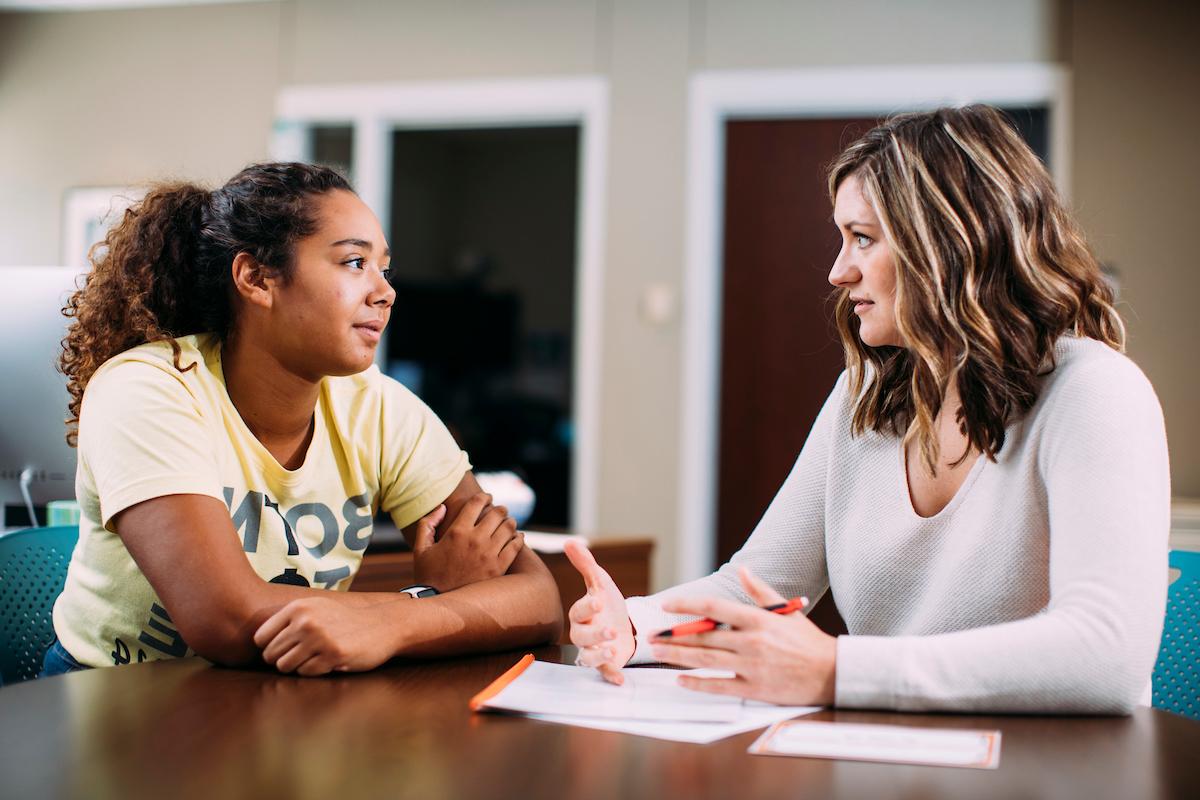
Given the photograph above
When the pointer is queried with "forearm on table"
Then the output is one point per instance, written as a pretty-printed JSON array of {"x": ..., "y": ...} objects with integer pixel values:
[
  {"x": 228, "y": 635},
  {"x": 1090, "y": 650},
  {"x": 519, "y": 609},
  {"x": 1065, "y": 661}
]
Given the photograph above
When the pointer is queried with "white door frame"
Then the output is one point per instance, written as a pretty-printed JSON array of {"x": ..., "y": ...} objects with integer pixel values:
[
  {"x": 716, "y": 97},
  {"x": 375, "y": 110}
]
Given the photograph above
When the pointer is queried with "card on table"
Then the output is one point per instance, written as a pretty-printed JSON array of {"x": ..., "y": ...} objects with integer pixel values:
[{"x": 891, "y": 743}]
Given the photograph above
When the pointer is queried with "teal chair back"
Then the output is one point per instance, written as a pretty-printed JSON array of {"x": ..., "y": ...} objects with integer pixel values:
[
  {"x": 33, "y": 569},
  {"x": 1177, "y": 673}
]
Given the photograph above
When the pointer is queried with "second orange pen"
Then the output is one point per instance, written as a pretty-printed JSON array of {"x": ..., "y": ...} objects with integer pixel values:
[{"x": 702, "y": 625}]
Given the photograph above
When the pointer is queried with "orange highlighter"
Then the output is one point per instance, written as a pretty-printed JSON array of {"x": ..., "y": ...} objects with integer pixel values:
[{"x": 702, "y": 625}]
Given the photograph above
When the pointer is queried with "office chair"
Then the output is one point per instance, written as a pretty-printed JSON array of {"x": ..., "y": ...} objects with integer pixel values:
[
  {"x": 1177, "y": 673},
  {"x": 33, "y": 569}
]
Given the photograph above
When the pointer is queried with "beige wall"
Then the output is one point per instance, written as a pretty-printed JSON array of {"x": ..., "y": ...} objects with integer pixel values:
[
  {"x": 791, "y": 33},
  {"x": 1136, "y": 183},
  {"x": 118, "y": 97},
  {"x": 104, "y": 98}
]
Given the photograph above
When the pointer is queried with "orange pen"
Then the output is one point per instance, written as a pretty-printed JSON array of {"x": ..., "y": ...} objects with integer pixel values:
[{"x": 702, "y": 625}]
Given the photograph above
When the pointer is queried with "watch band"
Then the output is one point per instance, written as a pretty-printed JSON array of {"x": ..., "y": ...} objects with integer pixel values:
[{"x": 419, "y": 590}]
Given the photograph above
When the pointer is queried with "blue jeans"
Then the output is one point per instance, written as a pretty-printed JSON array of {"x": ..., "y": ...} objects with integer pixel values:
[{"x": 58, "y": 661}]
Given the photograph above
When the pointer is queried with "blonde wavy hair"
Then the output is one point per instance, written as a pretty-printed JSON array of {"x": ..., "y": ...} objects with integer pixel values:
[{"x": 991, "y": 269}]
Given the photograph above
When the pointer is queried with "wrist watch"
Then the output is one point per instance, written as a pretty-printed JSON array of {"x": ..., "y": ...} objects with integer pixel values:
[{"x": 419, "y": 591}]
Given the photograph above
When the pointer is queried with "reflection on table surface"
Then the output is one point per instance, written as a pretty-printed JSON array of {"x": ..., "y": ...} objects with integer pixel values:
[{"x": 189, "y": 730}]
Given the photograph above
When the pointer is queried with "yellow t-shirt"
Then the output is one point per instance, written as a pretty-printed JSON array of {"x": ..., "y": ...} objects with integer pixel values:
[{"x": 147, "y": 430}]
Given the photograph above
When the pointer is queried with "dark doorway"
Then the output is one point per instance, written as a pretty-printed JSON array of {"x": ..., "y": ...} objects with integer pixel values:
[
  {"x": 483, "y": 231},
  {"x": 780, "y": 354}
]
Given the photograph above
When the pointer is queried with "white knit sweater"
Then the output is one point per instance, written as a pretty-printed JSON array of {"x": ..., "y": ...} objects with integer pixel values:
[{"x": 1040, "y": 587}]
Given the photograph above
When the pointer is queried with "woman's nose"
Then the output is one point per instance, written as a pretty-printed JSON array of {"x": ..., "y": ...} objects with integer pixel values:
[
  {"x": 843, "y": 271},
  {"x": 384, "y": 293}
]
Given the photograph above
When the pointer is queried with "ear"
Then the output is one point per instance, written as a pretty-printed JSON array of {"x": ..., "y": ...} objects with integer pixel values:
[{"x": 253, "y": 283}]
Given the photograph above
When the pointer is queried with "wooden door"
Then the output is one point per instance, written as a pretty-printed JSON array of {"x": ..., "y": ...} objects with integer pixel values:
[{"x": 780, "y": 351}]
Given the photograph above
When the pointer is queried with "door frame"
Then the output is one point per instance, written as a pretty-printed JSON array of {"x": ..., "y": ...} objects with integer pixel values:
[
  {"x": 715, "y": 98},
  {"x": 373, "y": 111}
]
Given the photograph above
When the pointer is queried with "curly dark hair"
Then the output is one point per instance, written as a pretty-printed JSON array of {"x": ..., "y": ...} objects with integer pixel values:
[{"x": 165, "y": 270}]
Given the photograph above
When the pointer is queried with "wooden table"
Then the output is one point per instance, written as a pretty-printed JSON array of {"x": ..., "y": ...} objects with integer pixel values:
[{"x": 184, "y": 729}]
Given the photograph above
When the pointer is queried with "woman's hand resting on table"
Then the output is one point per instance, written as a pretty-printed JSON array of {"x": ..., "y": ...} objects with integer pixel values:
[
  {"x": 600, "y": 625},
  {"x": 775, "y": 658}
]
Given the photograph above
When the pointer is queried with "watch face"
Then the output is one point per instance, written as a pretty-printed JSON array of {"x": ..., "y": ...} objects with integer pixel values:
[{"x": 419, "y": 591}]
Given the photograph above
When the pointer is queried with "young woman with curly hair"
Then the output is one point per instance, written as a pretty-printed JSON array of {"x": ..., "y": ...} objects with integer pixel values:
[
  {"x": 986, "y": 490},
  {"x": 235, "y": 442}
]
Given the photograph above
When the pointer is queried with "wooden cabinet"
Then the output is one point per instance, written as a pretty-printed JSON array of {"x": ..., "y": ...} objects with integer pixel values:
[{"x": 626, "y": 560}]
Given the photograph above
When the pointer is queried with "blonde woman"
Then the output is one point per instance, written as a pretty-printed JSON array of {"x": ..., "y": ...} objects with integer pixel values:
[{"x": 985, "y": 491}]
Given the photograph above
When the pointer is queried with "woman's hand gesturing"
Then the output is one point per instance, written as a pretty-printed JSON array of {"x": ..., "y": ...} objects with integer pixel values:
[
  {"x": 779, "y": 659},
  {"x": 600, "y": 625}
]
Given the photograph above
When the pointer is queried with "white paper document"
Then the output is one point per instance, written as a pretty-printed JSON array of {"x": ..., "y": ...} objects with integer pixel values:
[
  {"x": 649, "y": 703},
  {"x": 754, "y": 716},
  {"x": 650, "y": 694},
  {"x": 892, "y": 743}
]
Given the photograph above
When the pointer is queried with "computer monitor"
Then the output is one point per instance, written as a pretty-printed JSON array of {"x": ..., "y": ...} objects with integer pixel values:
[{"x": 33, "y": 394}]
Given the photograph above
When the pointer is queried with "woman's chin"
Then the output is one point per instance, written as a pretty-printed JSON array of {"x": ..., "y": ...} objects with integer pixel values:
[
  {"x": 874, "y": 338},
  {"x": 350, "y": 364},
  {"x": 360, "y": 365}
]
